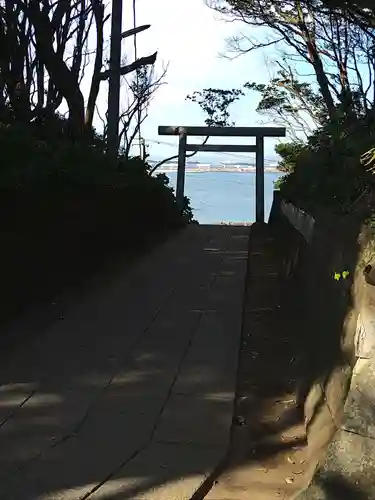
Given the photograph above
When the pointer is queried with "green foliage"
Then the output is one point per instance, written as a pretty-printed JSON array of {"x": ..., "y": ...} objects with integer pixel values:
[
  {"x": 370, "y": 221},
  {"x": 52, "y": 171},
  {"x": 277, "y": 184},
  {"x": 338, "y": 276},
  {"x": 335, "y": 46},
  {"x": 285, "y": 97},
  {"x": 354, "y": 7},
  {"x": 328, "y": 172},
  {"x": 215, "y": 103},
  {"x": 289, "y": 153},
  {"x": 68, "y": 211},
  {"x": 335, "y": 112}
]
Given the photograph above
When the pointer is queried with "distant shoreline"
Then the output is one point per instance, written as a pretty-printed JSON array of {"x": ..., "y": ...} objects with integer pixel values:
[{"x": 218, "y": 169}]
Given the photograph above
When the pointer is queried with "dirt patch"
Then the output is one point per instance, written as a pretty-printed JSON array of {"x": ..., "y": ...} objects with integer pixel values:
[{"x": 268, "y": 455}]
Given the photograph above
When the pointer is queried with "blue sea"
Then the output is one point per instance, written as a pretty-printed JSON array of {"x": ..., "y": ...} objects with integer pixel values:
[{"x": 225, "y": 196}]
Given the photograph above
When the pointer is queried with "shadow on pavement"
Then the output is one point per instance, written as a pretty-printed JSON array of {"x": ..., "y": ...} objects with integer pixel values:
[
  {"x": 131, "y": 394},
  {"x": 130, "y": 397}
]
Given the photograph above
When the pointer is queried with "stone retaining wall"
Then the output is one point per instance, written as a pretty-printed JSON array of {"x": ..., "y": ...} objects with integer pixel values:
[{"x": 335, "y": 310}]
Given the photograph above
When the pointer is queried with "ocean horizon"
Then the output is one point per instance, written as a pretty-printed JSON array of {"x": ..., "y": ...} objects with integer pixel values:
[{"x": 225, "y": 197}]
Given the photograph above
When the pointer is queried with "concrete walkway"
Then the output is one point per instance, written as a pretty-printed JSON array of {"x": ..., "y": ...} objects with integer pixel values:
[{"x": 130, "y": 394}]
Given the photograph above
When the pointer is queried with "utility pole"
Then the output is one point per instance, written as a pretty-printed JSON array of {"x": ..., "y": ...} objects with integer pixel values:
[
  {"x": 115, "y": 71},
  {"x": 137, "y": 80},
  {"x": 114, "y": 78}
]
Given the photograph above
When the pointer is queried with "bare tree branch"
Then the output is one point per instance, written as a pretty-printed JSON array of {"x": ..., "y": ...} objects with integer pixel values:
[{"x": 142, "y": 61}]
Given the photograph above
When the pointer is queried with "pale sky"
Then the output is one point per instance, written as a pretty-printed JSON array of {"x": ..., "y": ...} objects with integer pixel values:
[{"x": 189, "y": 37}]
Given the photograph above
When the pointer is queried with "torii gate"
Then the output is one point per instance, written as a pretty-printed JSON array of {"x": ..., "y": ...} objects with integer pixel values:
[{"x": 258, "y": 148}]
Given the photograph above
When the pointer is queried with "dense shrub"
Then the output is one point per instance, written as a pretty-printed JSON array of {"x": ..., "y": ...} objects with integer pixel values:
[
  {"x": 45, "y": 175},
  {"x": 328, "y": 172},
  {"x": 67, "y": 211},
  {"x": 289, "y": 152}
]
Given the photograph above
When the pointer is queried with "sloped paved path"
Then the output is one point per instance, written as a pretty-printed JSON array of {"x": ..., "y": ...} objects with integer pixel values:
[{"x": 130, "y": 395}]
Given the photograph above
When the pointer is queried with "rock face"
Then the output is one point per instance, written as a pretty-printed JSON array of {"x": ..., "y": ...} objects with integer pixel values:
[
  {"x": 348, "y": 469},
  {"x": 365, "y": 339},
  {"x": 339, "y": 398}
]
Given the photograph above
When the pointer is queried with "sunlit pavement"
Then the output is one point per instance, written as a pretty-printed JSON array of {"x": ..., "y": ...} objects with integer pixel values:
[{"x": 130, "y": 394}]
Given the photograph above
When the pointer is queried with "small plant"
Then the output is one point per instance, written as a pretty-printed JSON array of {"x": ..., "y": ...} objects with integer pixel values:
[
  {"x": 370, "y": 221},
  {"x": 368, "y": 159},
  {"x": 338, "y": 276}
]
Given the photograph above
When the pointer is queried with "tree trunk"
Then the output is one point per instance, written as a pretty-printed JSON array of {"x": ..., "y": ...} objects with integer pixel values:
[
  {"x": 63, "y": 79},
  {"x": 98, "y": 9},
  {"x": 322, "y": 79}
]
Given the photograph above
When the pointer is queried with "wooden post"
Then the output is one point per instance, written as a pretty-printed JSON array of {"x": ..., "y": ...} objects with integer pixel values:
[
  {"x": 275, "y": 207},
  {"x": 181, "y": 169},
  {"x": 218, "y": 148},
  {"x": 259, "y": 132},
  {"x": 225, "y": 131},
  {"x": 114, "y": 79},
  {"x": 259, "y": 180}
]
